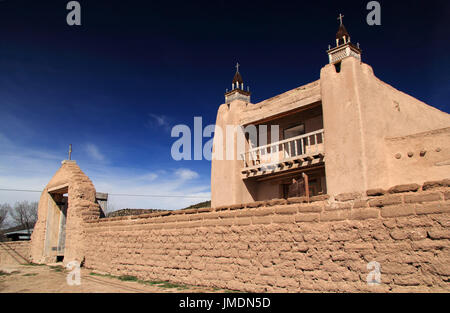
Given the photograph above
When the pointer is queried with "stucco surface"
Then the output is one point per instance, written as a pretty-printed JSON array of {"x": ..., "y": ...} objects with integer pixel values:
[
  {"x": 227, "y": 187},
  {"x": 419, "y": 157},
  {"x": 360, "y": 111},
  {"x": 81, "y": 207}
]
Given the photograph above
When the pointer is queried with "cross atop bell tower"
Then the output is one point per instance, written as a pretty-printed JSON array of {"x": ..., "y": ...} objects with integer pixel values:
[
  {"x": 238, "y": 82},
  {"x": 342, "y": 36},
  {"x": 344, "y": 48},
  {"x": 237, "y": 88},
  {"x": 340, "y": 17}
]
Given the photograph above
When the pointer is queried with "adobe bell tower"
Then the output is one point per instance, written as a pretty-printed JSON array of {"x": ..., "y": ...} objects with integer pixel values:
[
  {"x": 344, "y": 48},
  {"x": 237, "y": 89}
]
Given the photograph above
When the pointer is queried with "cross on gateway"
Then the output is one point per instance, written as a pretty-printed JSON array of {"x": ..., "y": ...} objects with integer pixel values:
[{"x": 237, "y": 67}]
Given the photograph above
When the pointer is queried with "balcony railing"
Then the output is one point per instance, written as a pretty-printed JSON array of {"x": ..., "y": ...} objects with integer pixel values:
[{"x": 295, "y": 149}]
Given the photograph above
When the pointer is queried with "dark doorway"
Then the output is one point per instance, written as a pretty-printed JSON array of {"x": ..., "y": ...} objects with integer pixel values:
[{"x": 294, "y": 186}]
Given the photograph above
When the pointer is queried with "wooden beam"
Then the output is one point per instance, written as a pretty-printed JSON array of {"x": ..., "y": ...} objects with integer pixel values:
[
  {"x": 282, "y": 175},
  {"x": 312, "y": 105},
  {"x": 59, "y": 189},
  {"x": 305, "y": 177}
]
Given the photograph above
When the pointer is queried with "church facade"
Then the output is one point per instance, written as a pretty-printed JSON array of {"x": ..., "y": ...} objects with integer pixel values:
[{"x": 346, "y": 132}]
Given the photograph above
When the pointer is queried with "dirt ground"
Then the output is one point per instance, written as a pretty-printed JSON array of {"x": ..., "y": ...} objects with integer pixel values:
[{"x": 52, "y": 279}]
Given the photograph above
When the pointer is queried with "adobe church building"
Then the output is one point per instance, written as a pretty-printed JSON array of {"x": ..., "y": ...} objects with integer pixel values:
[{"x": 346, "y": 132}]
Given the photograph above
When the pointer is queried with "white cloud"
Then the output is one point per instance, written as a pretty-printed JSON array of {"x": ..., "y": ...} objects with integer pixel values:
[
  {"x": 148, "y": 177},
  {"x": 94, "y": 152},
  {"x": 186, "y": 174},
  {"x": 161, "y": 121},
  {"x": 120, "y": 183}
]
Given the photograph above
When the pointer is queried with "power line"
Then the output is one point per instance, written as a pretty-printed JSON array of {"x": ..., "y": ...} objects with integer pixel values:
[
  {"x": 121, "y": 194},
  {"x": 157, "y": 196},
  {"x": 22, "y": 190}
]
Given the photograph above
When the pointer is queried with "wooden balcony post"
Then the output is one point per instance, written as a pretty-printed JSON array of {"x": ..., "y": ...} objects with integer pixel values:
[{"x": 305, "y": 178}]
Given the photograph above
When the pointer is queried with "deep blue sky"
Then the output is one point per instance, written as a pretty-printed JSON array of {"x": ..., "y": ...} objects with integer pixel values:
[{"x": 115, "y": 86}]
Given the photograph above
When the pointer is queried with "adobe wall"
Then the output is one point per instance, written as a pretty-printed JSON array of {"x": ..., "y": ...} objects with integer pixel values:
[
  {"x": 371, "y": 111},
  {"x": 14, "y": 252},
  {"x": 417, "y": 157},
  {"x": 227, "y": 186},
  {"x": 288, "y": 245}
]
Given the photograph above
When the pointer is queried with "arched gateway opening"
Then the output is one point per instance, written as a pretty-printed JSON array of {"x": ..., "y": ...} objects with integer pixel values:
[{"x": 66, "y": 203}]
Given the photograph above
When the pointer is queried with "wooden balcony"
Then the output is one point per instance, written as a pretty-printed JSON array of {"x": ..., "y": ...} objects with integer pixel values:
[{"x": 293, "y": 153}]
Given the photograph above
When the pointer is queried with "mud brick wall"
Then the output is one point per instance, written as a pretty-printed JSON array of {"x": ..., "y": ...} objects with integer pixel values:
[
  {"x": 288, "y": 245},
  {"x": 14, "y": 252}
]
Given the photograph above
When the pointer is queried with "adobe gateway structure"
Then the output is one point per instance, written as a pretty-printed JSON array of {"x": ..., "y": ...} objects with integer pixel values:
[{"x": 346, "y": 132}]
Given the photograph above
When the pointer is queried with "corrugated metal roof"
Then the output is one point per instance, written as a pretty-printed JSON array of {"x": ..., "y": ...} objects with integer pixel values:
[{"x": 21, "y": 232}]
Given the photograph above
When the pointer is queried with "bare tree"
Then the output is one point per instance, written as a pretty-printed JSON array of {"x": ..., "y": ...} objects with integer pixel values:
[
  {"x": 24, "y": 214},
  {"x": 4, "y": 209}
]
